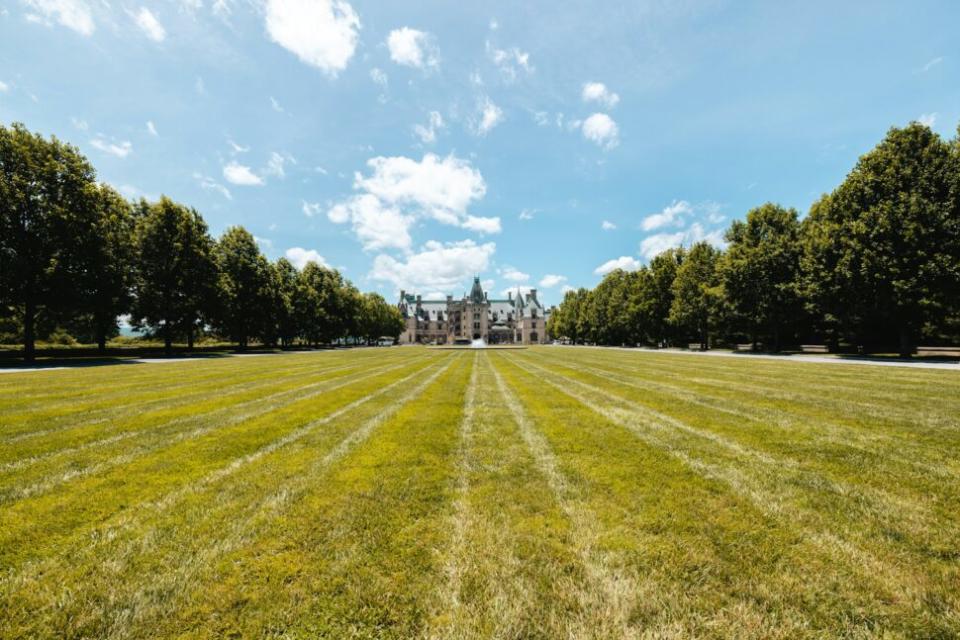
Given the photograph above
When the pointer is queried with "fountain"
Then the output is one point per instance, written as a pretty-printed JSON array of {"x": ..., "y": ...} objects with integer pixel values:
[{"x": 478, "y": 343}]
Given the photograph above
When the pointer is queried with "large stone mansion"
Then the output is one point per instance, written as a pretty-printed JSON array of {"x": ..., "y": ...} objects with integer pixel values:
[{"x": 520, "y": 319}]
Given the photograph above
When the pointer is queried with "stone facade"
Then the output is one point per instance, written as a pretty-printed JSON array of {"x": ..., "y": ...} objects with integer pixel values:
[{"x": 520, "y": 319}]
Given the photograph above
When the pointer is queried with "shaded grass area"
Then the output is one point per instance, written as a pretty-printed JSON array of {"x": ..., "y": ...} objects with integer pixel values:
[{"x": 536, "y": 493}]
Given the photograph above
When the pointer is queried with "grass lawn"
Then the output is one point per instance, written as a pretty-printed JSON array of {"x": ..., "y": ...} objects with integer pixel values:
[{"x": 549, "y": 492}]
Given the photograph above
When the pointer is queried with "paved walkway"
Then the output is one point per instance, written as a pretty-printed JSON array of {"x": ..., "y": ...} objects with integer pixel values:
[{"x": 950, "y": 366}]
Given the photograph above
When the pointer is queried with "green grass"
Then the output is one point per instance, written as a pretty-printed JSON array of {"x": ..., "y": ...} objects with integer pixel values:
[{"x": 545, "y": 493}]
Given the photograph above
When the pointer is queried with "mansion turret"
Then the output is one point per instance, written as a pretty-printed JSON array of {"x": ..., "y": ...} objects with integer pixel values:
[{"x": 520, "y": 319}]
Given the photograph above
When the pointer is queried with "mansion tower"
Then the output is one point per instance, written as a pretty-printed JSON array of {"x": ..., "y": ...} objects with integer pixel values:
[{"x": 520, "y": 319}]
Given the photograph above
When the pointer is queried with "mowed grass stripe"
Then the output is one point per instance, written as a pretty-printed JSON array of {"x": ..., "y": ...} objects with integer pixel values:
[
  {"x": 213, "y": 518},
  {"x": 352, "y": 552},
  {"x": 142, "y": 434},
  {"x": 710, "y": 561},
  {"x": 82, "y": 428},
  {"x": 509, "y": 570},
  {"x": 780, "y": 426},
  {"x": 912, "y": 564},
  {"x": 866, "y": 391},
  {"x": 41, "y": 418},
  {"x": 74, "y": 508},
  {"x": 51, "y": 390},
  {"x": 134, "y": 536},
  {"x": 856, "y": 480}
]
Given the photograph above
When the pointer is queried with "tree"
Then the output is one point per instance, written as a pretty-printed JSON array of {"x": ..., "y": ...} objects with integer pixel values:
[
  {"x": 109, "y": 277},
  {"x": 283, "y": 301},
  {"x": 883, "y": 250},
  {"x": 310, "y": 305},
  {"x": 697, "y": 293},
  {"x": 244, "y": 285},
  {"x": 175, "y": 285},
  {"x": 761, "y": 272},
  {"x": 659, "y": 300},
  {"x": 379, "y": 318}
]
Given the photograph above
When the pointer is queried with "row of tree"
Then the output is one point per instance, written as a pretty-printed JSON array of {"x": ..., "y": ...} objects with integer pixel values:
[
  {"x": 75, "y": 255},
  {"x": 874, "y": 265}
]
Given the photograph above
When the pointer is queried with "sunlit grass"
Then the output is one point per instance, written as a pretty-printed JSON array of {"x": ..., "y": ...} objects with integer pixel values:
[{"x": 552, "y": 492}]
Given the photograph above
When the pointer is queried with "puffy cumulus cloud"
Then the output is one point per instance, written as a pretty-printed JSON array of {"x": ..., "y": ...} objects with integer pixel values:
[
  {"x": 73, "y": 14},
  {"x": 509, "y": 61},
  {"x": 412, "y": 48},
  {"x": 379, "y": 77},
  {"x": 551, "y": 280},
  {"x": 606, "y": 225},
  {"x": 598, "y": 92},
  {"x": 482, "y": 225},
  {"x": 436, "y": 267},
  {"x": 660, "y": 242},
  {"x": 602, "y": 130},
  {"x": 322, "y": 33},
  {"x": 118, "y": 149},
  {"x": 239, "y": 174},
  {"x": 516, "y": 290},
  {"x": 671, "y": 215},
  {"x": 299, "y": 257},
  {"x": 276, "y": 163},
  {"x": 928, "y": 119},
  {"x": 428, "y": 133},
  {"x": 565, "y": 288},
  {"x": 377, "y": 225},
  {"x": 514, "y": 275},
  {"x": 627, "y": 263},
  {"x": 439, "y": 188},
  {"x": 399, "y": 191},
  {"x": 151, "y": 128},
  {"x": 149, "y": 24},
  {"x": 488, "y": 116}
]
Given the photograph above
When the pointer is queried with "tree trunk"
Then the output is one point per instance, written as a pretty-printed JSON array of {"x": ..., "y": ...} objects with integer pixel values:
[
  {"x": 167, "y": 338},
  {"x": 101, "y": 339},
  {"x": 29, "y": 322},
  {"x": 190, "y": 337},
  {"x": 906, "y": 342}
]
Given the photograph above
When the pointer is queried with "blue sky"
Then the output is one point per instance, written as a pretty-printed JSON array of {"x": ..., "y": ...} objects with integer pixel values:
[{"x": 415, "y": 144}]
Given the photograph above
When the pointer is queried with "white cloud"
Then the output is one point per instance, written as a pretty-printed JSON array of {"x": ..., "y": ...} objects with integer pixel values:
[
  {"x": 438, "y": 188},
  {"x": 608, "y": 226},
  {"x": 627, "y": 263},
  {"x": 412, "y": 48},
  {"x": 931, "y": 64},
  {"x": 79, "y": 124},
  {"x": 400, "y": 190},
  {"x": 4, "y": 87},
  {"x": 120, "y": 150},
  {"x": 428, "y": 134},
  {"x": 517, "y": 290},
  {"x": 151, "y": 128},
  {"x": 490, "y": 115},
  {"x": 598, "y": 92},
  {"x": 239, "y": 174},
  {"x": 509, "y": 61},
  {"x": 322, "y": 33},
  {"x": 199, "y": 86},
  {"x": 276, "y": 163},
  {"x": 551, "y": 280},
  {"x": 436, "y": 267},
  {"x": 602, "y": 130},
  {"x": 73, "y": 14},
  {"x": 482, "y": 225},
  {"x": 526, "y": 214},
  {"x": 299, "y": 257},
  {"x": 514, "y": 275},
  {"x": 237, "y": 148},
  {"x": 671, "y": 215},
  {"x": 310, "y": 209},
  {"x": 379, "y": 77},
  {"x": 660, "y": 242},
  {"x": 928, "y": 119},
  {"x": 377, "y": 225},
  {"x": 265, "y": 243},
  {"x": 566, "y": 288},
  {"x": 209, "y": 184},
  {"x": 276, "y": 105},
  {"x": 149, "y": 24}
]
